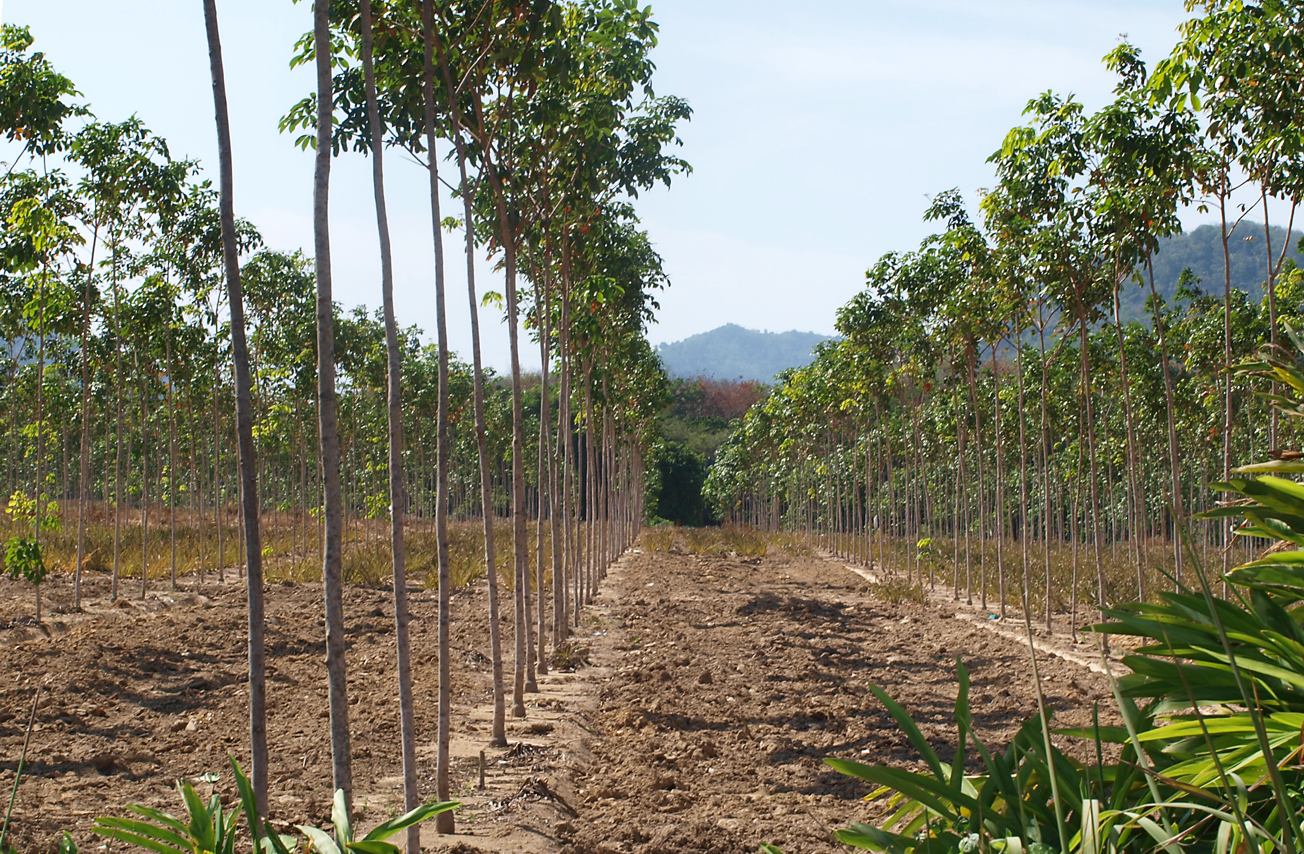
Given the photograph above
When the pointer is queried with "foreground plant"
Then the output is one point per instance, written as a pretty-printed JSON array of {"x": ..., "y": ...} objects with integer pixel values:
[
  {"x": 1012, "y": 803},
  {"x": 208, "y": 827},
  {"x": 1210, "y": 763}
]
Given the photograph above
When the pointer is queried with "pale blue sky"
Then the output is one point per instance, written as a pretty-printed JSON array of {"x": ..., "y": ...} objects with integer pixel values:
[{"x": 820, "y": 129}]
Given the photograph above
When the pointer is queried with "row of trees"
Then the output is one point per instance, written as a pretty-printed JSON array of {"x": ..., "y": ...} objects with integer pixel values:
[
  {"x": 161, "y": 359},
  {"x": 991, "y": 399}
]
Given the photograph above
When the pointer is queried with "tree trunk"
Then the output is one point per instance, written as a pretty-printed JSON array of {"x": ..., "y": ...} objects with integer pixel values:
[
  {"x": 118, "y": 430},
  {"x": 328, "y": 416},
  {"x": 1174, "y": 458},
  {"x": 244, "y": 421},
  {"x": 172, "y": 460},
  {"x": 546, "y": 498},
  {"x": 1089, "y": 417},
  {"x": 1045, "y": 467},
  {"x": 40, "y": 426},
  {"x": 1227, "y": 367},
  {"x": 443, "y": 822},
  {"x": 1000, "y": 477},
  {"x": 1135, "y": 498},
  {"x": 498, "y": 734},
  {"x": 1015, "y": 338},
  {"x": 394, "y": 417},
  {"x": 971, "y": 361},
  {"x": 144, "y": 477},
  {"x": 520, "y": 541},
  {"x": 84, "y": 452}
]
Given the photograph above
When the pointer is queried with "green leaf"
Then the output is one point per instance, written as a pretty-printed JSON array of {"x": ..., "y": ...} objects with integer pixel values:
[
  {"x": 869, "y": 838},
  {"x": 160, "y": 818},
  {"x": 320, "y": 839},
  {"x": 931, "y": 792},
  {"x": 340, "y": 817},
  {"x": 422, "y": 813},
  {"x": 911, "y": 730},
  {"x": 124, "y": 830},
  {"x": 373, "y": 847},
  {"x": 1272, "y": 467}
]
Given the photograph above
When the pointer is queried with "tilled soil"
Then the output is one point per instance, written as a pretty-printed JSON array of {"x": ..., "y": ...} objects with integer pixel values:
[
  {"x": 707, "y": 693},
  {"x": 141, "y": 693},
  {"x": 736, "y": 678}
]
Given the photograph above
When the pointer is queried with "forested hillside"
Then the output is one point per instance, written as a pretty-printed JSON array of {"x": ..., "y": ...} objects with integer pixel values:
[
  {"x": 1200, "y": 250},
  {"x": 732, "y": 352}
]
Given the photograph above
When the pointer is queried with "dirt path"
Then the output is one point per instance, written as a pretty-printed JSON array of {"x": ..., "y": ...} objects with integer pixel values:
[
  {"x": 713, "y": 688},
  {"x": 720, "y": 684}
]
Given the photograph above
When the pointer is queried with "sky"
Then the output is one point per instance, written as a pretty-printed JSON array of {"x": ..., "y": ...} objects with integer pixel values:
[{"x": 820, "y": 130}]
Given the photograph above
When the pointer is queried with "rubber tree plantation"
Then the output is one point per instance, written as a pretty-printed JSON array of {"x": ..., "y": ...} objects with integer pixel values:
[{"x": 1015, "y": 563}]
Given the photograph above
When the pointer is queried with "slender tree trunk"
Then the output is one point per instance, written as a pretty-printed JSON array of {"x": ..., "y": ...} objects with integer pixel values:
[
  {"x": 144, "y": 477},
  {"x": 1089, "y": 413},
  {"x": 84, "y": 453},
  {"x": 172, "y": 460},
  {"x": 118, "y": 429},
  {"x": 1227, "y": 368},
  {"x": 14, "y": 435},
  {"x": 556, "y": 486},
  {"x": 443, "y": 822},
  {"x": 1135, "y": 498},
  {"x": 244, "y": 420},
  {"x": 971, "y": 360},
  {"x": 520, "y": 541},
  {"x": 590, "y": 487},
  {"x": 961, "y": 442},
  {"x": 394, "y": 417},
  {"x": 545, "y": 509},
  {"x": 1075, "y": 504},
  {"x": 1000, "y": 514},
  {"x": 328, "y": 416},
  {"x": 1174, "y": 455},
  {"x": 217, "y": 470},
  {"x": 566, "y": 438},
  {"x": 1270, "y": 285},
  {"x": 1023, "y": 474},
  {"x": 1045, "y": 466},
  {"x": 498, "y": 735},
  {"x": 39, "y": 492}
]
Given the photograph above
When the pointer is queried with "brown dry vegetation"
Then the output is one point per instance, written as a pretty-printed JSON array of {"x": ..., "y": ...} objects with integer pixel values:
[
  {"x": 942, "y": 566},
  {"x": 291, "y": 547}
]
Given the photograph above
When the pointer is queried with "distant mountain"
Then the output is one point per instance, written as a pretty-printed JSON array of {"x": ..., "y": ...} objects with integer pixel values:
[
  {"x": 732, "y": 352},
  {"x": 1201, "y": 250}
]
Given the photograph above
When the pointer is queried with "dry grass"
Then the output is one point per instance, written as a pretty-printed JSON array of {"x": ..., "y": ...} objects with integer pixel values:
[
  {"x": 291, "y": 547},
  {"x": 660, "y": 539},
  {"x": 571, "y": 656},
  {"x": 724, "y": 541},
  {"x": 896, "y": 591},
  {"x": 1126, "y": 573}
]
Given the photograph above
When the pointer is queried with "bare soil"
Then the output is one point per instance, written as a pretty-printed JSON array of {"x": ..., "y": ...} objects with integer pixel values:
[{"x": 706, "y": 691}]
